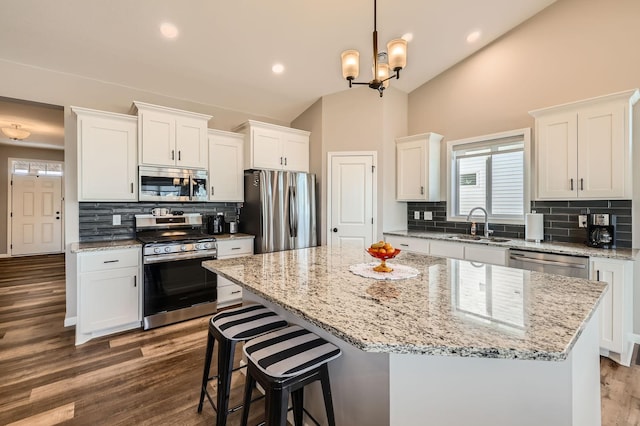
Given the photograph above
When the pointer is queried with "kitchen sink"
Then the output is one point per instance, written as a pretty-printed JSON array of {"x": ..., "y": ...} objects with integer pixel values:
[{"x": 466, "y": 237}]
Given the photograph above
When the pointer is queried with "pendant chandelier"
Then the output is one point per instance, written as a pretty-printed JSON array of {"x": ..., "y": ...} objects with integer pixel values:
[{"x": 394, "y": 59}]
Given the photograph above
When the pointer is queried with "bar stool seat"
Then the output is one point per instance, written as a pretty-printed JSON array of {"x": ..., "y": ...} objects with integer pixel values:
[
  {"x": 230, "y": 327},
  {"x": 283, "y": 362}
]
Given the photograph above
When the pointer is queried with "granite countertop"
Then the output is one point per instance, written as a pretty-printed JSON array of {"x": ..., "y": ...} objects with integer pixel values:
[
  {"x": 104, "y": 245},
  {"x": 443, "y": 311},
  {"x": 575, "y": 249},
  {"x": 238, "y": 236}
]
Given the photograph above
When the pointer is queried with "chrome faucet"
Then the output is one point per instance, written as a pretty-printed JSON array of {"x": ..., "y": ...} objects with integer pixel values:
[{"x": 487, "y": 232}]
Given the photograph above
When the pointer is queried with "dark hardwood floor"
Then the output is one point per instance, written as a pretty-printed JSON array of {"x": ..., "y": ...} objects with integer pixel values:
[
  {"x": 139, "y": 378},
  {"x": 133, "y": 378}
]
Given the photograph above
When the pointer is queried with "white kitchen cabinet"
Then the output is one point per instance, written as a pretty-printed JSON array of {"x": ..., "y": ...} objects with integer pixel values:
[
  {"x": 583, "y": 149},
  {"x": 416, "y": 245},
  {"x": 107, "y": 162},
  {"x": 446, "y": 249},
  {"x": 171, "y": 137},
  {"x": 616, "y": 307},
  {"x": 109, "y": 292},
  {"x": 226, "y": 160},
  {"x": 268, "y": 146},
  {"x": 418, "y": 167},
  {"x": 228, "y": 292},
  {"x": 485, "y": 254}
]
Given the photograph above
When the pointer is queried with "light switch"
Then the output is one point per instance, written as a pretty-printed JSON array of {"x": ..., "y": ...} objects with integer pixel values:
[
  {"x": 582, "y": 221},
  {"x": 416, "y": 215},
  {"x": 428, "y": 215},
  {"x": 117, "y": 219}
]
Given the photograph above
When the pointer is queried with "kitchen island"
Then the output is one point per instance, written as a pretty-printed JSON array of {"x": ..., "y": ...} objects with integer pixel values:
[{"x": 459, "y": 344}]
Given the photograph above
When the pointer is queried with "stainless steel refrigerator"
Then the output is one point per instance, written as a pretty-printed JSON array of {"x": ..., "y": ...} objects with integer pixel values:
[{"x": 279, "y": 209}]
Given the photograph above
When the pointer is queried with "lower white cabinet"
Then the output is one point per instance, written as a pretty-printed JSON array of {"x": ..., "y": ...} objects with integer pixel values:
[
  {"x": 616, "y": 306},
  {"x": 109, "y": 292},
  {"x": 447, "y": 249},
  {"x": 416, "y": 245},
  {"x": 485, "y": 254},
  {"x": 228, "y": 292}
]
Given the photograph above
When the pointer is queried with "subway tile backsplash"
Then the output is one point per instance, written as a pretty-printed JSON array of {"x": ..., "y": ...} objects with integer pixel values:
[
  {"x": 560, "y": 220},
  {"x": 96, "y": 219}
]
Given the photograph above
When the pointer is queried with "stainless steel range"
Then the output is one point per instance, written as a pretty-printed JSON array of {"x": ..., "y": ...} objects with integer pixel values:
[{"x": 176, "y": 286}]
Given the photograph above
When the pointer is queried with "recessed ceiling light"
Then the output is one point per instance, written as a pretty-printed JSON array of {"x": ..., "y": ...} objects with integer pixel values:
[
  {"x": 169, "y": 30},
  {"x": 408, "y": 37},
  {"x": 473, "y": 37},
  {"x": 278, "y": 68}
]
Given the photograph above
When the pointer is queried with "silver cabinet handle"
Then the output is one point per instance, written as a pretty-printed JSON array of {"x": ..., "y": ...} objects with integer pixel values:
[
  {"x": 572, "y": 184},
  {"x": 236, "y": 292},
  {"x": 404, "y": 245},
  {"x": 581, "y": 184},
  {"x": 111, "y": 261},
  {"x": 285, "y": 161},
  {"x": 173, "y": 154},
  {"x": 179, "y": 152},
  {"x": 598, "y": 275},
  {"x": 212, "y": 190},
  {"x": 281, "y": 161},
  {"x": 132, "y": 187},
  {"x": 422, "y": 190},
  {"x": 135, "y": 281},
  {"x": 235, "y": 248}
]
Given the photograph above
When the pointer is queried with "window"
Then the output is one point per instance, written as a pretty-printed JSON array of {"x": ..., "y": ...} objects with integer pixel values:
[
  {"x": 490, "y": 172},
  {"x": 36, "y": 168}
]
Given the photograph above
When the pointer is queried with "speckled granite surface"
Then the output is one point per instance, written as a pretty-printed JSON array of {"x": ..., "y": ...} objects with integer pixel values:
[
  {"x": 237, "y": 236},
  {"x": 550, "y": 247},
  {"x": 104, "y": 245},
  {"x": 452, "y": 308}
]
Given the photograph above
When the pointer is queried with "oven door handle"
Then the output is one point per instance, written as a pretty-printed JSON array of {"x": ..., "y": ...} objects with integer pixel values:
[{"x": 148, "y": 260}]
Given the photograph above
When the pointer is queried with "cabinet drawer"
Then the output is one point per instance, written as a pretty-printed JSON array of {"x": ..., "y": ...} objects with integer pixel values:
[
  {"x": 418, "y": 245},
  {"x": 447, "y": 249},
  {"x": 231, "y": 292},
  {"x": 484, "y": 254},
  {"x": 234, "y": 248},
  {"x": 108, "y": 259}
]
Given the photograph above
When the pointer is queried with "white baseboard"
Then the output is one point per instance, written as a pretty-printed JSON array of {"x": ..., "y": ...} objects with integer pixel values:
[
  {"x": 635, "y": 338},
  {"x": 68, "y": 322},
  {"x": 4, "y": 255}
]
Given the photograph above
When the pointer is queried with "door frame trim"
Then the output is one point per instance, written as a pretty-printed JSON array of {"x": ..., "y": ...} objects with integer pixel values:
[
  {"x": 374, "y": 187},
  {"x": 10, "y": 200}
]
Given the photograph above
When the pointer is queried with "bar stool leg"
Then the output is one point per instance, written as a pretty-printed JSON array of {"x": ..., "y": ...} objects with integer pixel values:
[
  {"x": 297, "y": 398},
  {"x": 277, "y": 400},
  {"x": 207, "y": 366},
  {"x": 326, "y": 393},
  {"x": 249, "y": 384},
  {"x": 225, "y": 367}
]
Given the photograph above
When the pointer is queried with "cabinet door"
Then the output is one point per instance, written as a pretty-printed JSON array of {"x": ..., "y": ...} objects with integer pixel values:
[
  {"x": 107, "y": 161},
  {"x": 266, "y": 152},
  {"x": 485, "y": 254},
  {"x": 447, "y": 249},
  {"x": 225, "y": 168},
  {"x": 108, "y": 299},
  {"x": 611, "y": 306},
  {"x": 556, "y": 153},
  {"x": 601, "y": 152},
  {"x": 417, "y": 245},
  {"x": 411, "y": 162},
  {"x": 295, "y": 152},
  {"x": 158, "y": 138},
  {"x": 191, "y": 142}
]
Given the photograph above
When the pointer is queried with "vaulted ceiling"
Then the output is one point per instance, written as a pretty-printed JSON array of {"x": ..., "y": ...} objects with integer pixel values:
[{"x": 224, "y": 51}]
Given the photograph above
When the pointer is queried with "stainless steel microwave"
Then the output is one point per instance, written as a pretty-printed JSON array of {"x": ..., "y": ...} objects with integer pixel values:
[{"x": 168, "y": 184}]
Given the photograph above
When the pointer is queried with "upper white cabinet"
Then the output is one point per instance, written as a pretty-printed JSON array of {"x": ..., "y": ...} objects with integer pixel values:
[
  {"x": 226, "y": 175},
  {"x": 107, "y": 163},
  {"x": 583, "y": 149},
  {"x": 171, "y": 137},
  {"x": 616, "y": 307},
  {"x": 418, "y": 167},
  {"x": 268, "y": 146}
]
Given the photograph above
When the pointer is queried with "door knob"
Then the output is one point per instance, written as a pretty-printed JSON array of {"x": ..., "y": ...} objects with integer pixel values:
[{"x": 335, "y": 229}]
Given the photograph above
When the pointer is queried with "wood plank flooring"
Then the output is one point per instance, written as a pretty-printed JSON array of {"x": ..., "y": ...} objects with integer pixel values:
[{"x": 140, "y": 378}]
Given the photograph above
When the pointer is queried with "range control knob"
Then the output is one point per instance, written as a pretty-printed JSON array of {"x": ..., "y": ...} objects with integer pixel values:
[
  {"x": 157, "y": 250},
  {"x": 207, "y": 245},
  {"x": 167, "y": 249},
  {"x": 183, "y": 248}
]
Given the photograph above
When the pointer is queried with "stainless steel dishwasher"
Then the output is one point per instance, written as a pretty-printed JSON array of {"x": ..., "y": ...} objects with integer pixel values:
[{"x": 561, "y": 264}]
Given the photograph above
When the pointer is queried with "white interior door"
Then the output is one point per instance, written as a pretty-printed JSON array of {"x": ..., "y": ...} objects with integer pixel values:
[
  {"x": 351, "y": 202},
  {"x": 36, "y": 216}
]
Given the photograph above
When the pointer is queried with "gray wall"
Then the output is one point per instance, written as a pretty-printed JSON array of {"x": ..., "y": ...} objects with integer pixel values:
[{"x": 11, "y": 151}]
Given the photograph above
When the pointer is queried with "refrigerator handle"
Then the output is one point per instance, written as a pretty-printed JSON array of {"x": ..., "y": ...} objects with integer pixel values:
[
  {"x": 295, "y": 212},
  {"x": 291, "y": 212}
]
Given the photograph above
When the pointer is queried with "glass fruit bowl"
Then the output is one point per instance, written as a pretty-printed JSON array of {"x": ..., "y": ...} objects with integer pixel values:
[{"x": 382, "y": 267}]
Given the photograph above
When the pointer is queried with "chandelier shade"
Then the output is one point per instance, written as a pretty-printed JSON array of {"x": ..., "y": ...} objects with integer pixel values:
[
  {"x": 15, "y": 132},
  {"x": 395, "y": 59}
]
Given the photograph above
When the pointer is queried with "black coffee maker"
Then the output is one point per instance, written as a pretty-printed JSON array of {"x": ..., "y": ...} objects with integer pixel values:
[
  {"x": 215, "y": 224},
  {"x": 601, "y": 230}
]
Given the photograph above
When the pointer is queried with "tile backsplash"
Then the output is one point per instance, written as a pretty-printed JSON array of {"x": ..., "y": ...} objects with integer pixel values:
[
  {"x": 96, "y": 219},
  {"x": 560, "y": 220}
]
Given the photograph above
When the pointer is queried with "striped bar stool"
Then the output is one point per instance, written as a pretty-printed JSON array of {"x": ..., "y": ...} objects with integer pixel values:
[
  {"x": 283, "y": 362},
  {"x": 228, "y": 328}
]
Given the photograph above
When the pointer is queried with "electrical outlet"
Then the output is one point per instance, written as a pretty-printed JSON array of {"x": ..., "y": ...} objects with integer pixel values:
[
  {"x": 428, "y": 215},
  {"x": 416, "y": 215},
  {"x": 117, "y": 220},
  {"x": 582, "y": 221}
]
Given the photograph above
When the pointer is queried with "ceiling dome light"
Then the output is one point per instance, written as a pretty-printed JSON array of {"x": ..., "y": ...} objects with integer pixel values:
[
  {"x": 15, "y": 132},
  {"x": 277, "y": 68},
  {"x": 473, "y": 37},
  {"x": 169, "y": 30}
]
